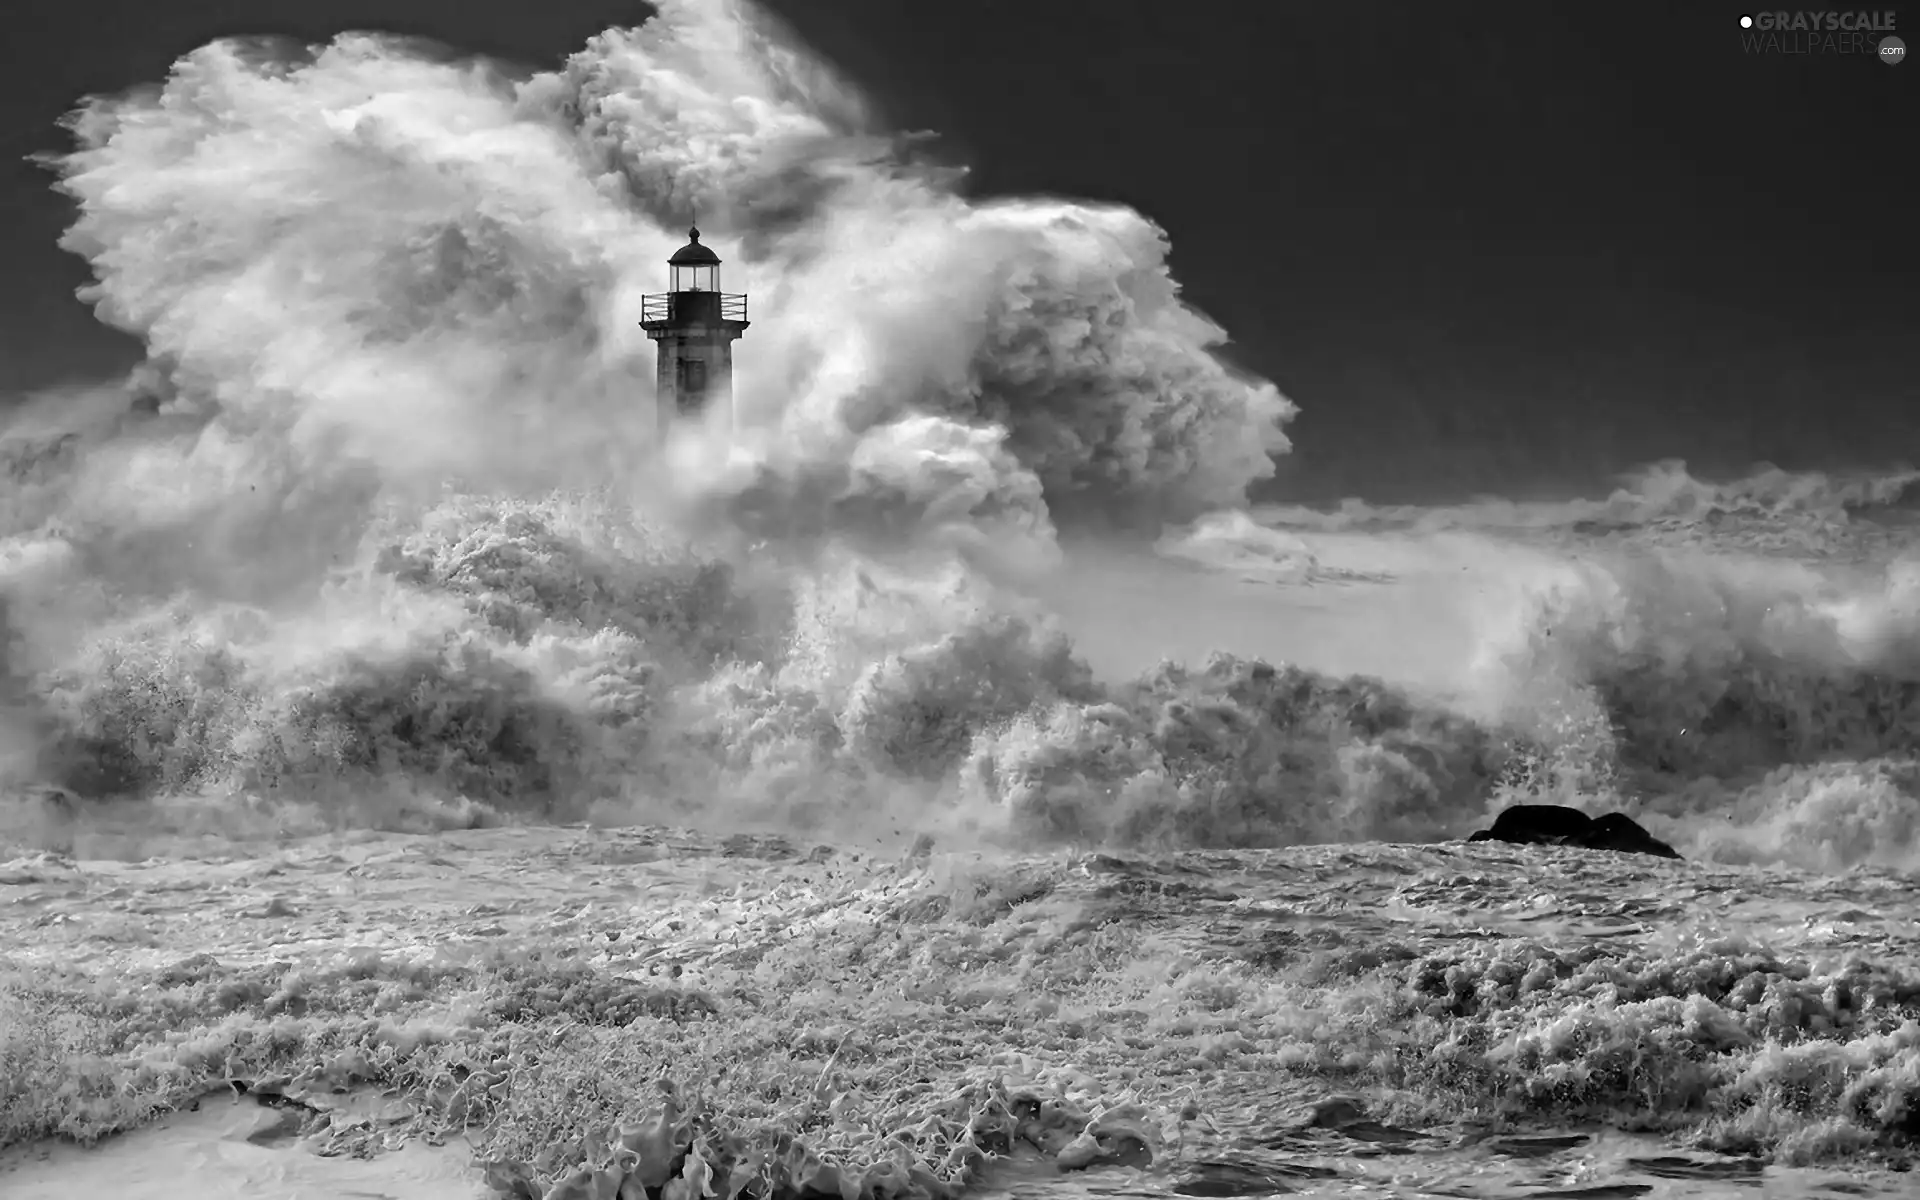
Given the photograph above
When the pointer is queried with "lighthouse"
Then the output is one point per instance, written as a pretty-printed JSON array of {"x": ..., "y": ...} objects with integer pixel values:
[{"x": 694, "y": 327}]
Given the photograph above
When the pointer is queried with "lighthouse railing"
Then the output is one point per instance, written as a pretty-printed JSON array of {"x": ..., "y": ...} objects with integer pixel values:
[{"x": 671, "y": 307}]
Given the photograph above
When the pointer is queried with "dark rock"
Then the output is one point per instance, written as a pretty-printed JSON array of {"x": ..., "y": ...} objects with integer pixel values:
[
  {"x": 1618, "y": 831},
  {"x": 1558, "y": 825},
  {"x": 1537, "y": 825}
]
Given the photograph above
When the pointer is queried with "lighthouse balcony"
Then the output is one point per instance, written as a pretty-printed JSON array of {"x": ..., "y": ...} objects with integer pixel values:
[{"x": 690, "y": 308}]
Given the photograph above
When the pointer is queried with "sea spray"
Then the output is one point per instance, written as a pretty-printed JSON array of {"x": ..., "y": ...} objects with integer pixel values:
[
  {"x": 385, "y": 510},
  {"x": 387, "y": 505}
]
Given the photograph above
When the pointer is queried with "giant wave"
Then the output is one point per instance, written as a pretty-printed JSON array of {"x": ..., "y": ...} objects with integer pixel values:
[{"x": 390, "y": 539}]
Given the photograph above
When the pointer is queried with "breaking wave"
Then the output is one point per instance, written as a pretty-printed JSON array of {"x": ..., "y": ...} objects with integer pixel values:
[
  {"x": 1663, "y": 494},
  {"x": 383, "y": 532},
  {"x": 1768, "y": 708}
]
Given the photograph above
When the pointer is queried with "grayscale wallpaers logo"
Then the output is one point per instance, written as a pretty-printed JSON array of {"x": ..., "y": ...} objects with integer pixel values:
[{"x": 1823, "y": 32}]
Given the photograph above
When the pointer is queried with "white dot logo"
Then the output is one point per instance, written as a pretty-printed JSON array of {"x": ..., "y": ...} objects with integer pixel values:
[{"x": 1746, "y": 22}]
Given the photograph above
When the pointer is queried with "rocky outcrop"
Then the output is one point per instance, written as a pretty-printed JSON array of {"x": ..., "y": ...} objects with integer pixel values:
[{"x": 1558, "y": 825}]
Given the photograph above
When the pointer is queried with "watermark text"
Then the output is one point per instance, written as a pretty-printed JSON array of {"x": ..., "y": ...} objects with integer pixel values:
[{"x": 1869, "y": 34}]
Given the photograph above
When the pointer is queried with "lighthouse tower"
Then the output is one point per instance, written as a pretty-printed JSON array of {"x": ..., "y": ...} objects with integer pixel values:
[{"x": 694, "y": 325}]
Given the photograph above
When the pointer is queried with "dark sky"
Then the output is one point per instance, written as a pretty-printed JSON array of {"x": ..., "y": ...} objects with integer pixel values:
[{"x": 1487, "y": 247}]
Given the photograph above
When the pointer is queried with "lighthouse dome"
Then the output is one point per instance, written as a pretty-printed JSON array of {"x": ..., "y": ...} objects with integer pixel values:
[{"x": 693, "y": 254}]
